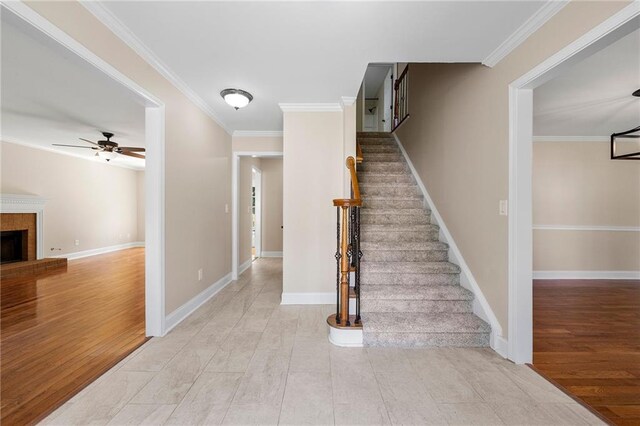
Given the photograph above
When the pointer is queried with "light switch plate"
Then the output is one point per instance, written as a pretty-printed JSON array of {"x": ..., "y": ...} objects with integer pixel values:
[{"x": 504, "y": 208}]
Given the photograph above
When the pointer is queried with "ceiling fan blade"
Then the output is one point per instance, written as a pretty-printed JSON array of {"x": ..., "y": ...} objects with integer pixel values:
[
  {"x": 73, "y": 146},
  {"x": 87, "y": 140},
  {"x": 132, "y": 154},
  {"x": 131, "y": 149}
]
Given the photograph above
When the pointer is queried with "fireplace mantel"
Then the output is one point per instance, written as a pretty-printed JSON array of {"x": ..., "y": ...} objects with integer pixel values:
[{"x": 18, "y": 203}]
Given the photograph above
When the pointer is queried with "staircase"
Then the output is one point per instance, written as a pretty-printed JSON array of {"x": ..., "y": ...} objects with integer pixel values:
[{"x": 410, "y": 293}]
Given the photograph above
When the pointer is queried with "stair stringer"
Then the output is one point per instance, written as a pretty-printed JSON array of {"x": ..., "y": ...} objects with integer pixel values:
[{"x": 481, "y": 307}]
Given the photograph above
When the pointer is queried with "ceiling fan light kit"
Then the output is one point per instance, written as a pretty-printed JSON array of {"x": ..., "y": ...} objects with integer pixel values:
[
  {"x": 237, "y": 98},
  {"x": 632, "y": 135},
  {"x": 108, "y": 149}
]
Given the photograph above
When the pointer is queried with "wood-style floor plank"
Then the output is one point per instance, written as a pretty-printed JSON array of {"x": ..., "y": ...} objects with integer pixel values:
[
  {"x": 62, "y": 329},
  {"x": 586, "y": 337}
]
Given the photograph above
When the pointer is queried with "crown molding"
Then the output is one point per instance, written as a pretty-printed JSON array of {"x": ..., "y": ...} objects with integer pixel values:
[
  {"x": 257, "y": 134},
  {"x": 530, "y": 26},
  {"x": 310, "y": 107},
  {"x": 108, "y": 19},
  {"x": 571, "y": 139},
  {"x": 346, "y": 101}
]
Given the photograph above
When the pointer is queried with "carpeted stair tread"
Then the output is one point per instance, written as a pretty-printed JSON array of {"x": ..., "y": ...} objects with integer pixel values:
[
  {"x": 411, "y": 322},
  {"x": 410, "y": 267},
  {"x": 411, "y": 211},
  {"x": 392, "y": 278},
  {"x": 416, "y": 292},
  {"x": 414, "y": 246}
]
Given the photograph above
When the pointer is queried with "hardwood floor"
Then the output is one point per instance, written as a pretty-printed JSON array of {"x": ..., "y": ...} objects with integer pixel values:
[
  {"x": 61, "y": 330},
  {"x": 586, "y": 337}
]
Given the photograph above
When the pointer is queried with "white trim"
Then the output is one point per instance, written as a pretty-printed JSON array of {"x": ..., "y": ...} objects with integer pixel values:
[
  {"x": 500, "y": 345},
  {"x": 586, "y": 275},
  {"x": 346, "y": 337},
  {"x": 308, "y": 298},
  {"x": 244, "y": 266},
  {"x": 524, "y": 31},
  {"x": 154, "y": 164},
  {"x": 480, "y": 305},
  {"x": 18, "y": 203},
  {"x": 571, "y": 139},
  {"x": 235, "y": 203},
  {"x": 347, "y": 101},
  {"x": 605, "y": 228},
  {"x": 177, "y": 316},
  {"x": 92, "y": 158},
  {"x": 310, "y": 107},
  {"x": 258, "y": 210},
  {"x": 257, "y": 134},
  {"x": 271, "y": 254},
  {"x": 110, "y": 21},
  {"x": 101, "y": 250},
  {"x": 520, "y": 170}
]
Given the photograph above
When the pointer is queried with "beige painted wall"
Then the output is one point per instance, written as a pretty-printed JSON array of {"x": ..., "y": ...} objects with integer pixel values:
[
  {"x": 141, "y": 202},
  {"x": 197, "y": 162},
  {"x": 80, "y": 206},
  {"x": 271, "y": 204},
  {"x": 257, "y": 144},
  {"x": 458, "y": 135},
  {"x": 312, "y": 177},
  {"x": 575, "y": 183}
]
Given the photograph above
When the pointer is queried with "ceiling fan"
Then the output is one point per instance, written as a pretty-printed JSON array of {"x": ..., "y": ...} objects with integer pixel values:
[{"x": 108, "y": 149}]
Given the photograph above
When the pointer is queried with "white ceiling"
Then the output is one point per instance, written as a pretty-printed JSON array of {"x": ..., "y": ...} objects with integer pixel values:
[
  {"x": 306, "y": 52},
  {"x": 50, "y": 95},
  {"x": 594, "y": 97}
]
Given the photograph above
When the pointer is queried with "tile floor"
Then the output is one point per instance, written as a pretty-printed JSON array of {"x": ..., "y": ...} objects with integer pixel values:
[{"x": 242, "y": 358}]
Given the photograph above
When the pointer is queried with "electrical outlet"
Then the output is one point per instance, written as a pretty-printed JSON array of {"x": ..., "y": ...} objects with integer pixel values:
[
  {"x": 503, "y": 208},
  {"x": 76, "y": 242},
  {"x": 226, "y": 208},
  {"x": 200, "y": 274}
]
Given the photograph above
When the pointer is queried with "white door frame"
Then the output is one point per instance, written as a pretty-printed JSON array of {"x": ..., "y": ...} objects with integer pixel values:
[
  {"x": 154, "y": 164},
  {"x": 258, "y": 214},
  {"x": 235, "y": 201},
  {"x": 520, "y": 170}
]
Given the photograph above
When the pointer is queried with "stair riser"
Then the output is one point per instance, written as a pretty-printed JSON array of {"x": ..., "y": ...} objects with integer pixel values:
[
  {"x": 374, "y": 149},
  {"x": 389, "y": 191},
  {"x": 391, "y": 179},
  {"x": 375, "y": 278},
  {"x": 382, "y": 157},
  {"x": 405, "y": 246},
  {"x": 383, "y": 219},
  {"x": 377, "y": 141},
  {"x": 426, "y": 340},
  {"x": 408, "y": 268},
  {"x": 426, "y": 306},
  {"x": 399, "y": 204},
  {"x": 408, "y": 236},
  {"x": 384, "y": 167},
  {"x": 406, "y": 255}
]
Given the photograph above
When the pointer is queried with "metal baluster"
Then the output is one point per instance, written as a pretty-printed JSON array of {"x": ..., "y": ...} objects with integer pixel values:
[{"x": 358, "y": 257}]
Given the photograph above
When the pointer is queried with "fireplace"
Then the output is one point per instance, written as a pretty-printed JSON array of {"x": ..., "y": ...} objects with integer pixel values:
[{"x": 14, "y": 246}]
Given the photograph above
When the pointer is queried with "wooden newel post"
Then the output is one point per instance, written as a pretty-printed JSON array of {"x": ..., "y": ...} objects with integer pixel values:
[{"x": 344, "y": 267}]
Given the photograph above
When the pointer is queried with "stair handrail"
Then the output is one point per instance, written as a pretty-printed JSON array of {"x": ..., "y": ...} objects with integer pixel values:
[
  {"x": 401, "y": 99},
  {"x": 355, "y": 199}
]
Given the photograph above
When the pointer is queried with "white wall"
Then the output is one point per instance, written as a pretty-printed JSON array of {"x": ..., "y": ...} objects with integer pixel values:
[
  {"x": 257, "y": 144},
  {"x": 89, "y": 201},
  {"x": 141, "y": 202}
]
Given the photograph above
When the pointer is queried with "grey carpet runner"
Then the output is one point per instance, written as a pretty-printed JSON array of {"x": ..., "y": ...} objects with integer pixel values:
[{"x": 410, "y": 292}]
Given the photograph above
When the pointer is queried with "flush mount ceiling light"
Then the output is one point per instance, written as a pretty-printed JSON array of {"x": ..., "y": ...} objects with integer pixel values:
[
  {"x": 632, "y": 139},
  {"x": 236, "y": 98}
]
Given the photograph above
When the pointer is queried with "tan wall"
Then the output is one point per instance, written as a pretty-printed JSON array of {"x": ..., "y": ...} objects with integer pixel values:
[
  {"x": 458, "y": 136},
  {"x": 575, "y": 183},
  {"x": 312, "y": 177},
  {"x": 141, "y": 203},
  {"x": 197, "y": 162},
  {"x": 271, "y": 204},
  {"x": 79, "y": 206},
  {"x": 257, "y": 144}
]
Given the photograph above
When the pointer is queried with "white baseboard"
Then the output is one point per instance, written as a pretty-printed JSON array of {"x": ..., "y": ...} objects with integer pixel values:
[
  {"x": 101, "y": 250},
  {"x": 499, "y": 344},
  {"x": 308, "y": 298},
  {"x": 586, "y": 275},
  {"x": 480, "y": 305},
  {"x": 177, "y": 316},
  {"x": 271, "y": 254},
  {"x": 244, "y": 266}
]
